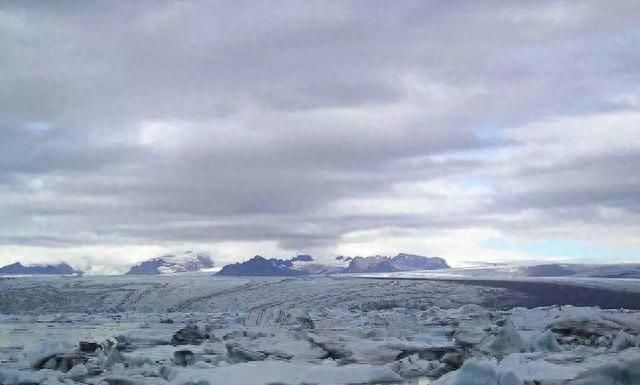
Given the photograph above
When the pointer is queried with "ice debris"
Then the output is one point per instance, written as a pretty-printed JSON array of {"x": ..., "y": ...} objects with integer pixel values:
[{"x": 479, "y": 373}]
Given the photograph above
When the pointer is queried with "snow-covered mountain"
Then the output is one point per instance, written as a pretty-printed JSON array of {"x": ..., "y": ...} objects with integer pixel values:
[
  {"x": 302, "y": 258},
  {"x": 20, "y": 269},
  {"x": 373, "y": 264},
  {"x": 305, "y": 265},
  {"x": 404, "y": 261},
  {"x": 401, "y": 262},
  {"x": 167, "y": 264},
  {"x": 260, "y": 266}
]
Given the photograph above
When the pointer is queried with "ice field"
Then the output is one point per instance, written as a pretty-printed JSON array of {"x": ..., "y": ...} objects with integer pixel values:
[{"x": 198, "y": 329}]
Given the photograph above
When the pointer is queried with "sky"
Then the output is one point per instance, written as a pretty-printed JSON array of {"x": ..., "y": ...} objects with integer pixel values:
[{"x": 473, "y": 131}]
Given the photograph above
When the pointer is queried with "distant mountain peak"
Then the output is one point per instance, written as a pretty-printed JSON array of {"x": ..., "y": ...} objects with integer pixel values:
[
  {"x": 302, "y": 258},
  {"x": 401, "y": 262},
  {"x": 260, "y": 266},
  {"x": 18, "y": 268},
  {"x": 173, "y": 263}
]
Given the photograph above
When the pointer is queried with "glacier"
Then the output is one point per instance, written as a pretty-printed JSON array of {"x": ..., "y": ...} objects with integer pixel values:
[{"x": 194, "y": 328}]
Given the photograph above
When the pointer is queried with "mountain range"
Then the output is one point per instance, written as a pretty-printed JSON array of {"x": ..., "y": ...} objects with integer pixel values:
[
  {"x": 401, "y": 262},
  {"x": 301, "y": 265},
  {"x": 173, "y": 263},
  {"x": 257, "y": 266},
  {"x": 20, "y": 269},
  {"x": 260, "y": 266}
]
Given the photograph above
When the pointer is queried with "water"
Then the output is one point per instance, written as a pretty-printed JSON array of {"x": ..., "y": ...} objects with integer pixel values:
[{"x": 19, "y": 338}]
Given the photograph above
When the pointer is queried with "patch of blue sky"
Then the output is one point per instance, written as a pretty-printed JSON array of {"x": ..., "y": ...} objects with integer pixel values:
[
  {"x": 477, "y": 184},
  {"x": 489, "y": 132},
  {"x": 491, "y": 137},
  {"x": 38, "y": 126}
]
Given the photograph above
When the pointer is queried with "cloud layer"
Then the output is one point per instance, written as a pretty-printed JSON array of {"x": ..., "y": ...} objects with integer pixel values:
[{"x": 133, "y": 128}]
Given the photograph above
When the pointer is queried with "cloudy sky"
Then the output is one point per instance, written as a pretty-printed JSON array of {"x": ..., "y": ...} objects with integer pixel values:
[{"x": 475, "y": 131}]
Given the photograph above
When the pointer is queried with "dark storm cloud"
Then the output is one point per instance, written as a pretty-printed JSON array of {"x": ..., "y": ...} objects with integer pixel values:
[{"x": 225, "y": 121}]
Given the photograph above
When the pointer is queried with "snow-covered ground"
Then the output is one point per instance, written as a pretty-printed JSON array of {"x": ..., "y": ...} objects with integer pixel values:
[{"x": 199, "y": 329}]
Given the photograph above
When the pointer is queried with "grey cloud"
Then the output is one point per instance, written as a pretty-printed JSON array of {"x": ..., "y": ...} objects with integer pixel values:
[
  {"x": 278, "y": 110},
  {"x": 603, "y": 180}
]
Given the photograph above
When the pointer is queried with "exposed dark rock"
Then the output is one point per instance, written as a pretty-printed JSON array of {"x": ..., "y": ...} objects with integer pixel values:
[
  {"x": 238, "y": 353},
  {"x": 333, "y": 350},
  {"x": 302, "y": 258},
  {"x": 427, "y": 353},
  {"x": 585, "y": 328},
  {"x": 299, "y": 318},
  {"x": 127, "y": 343},
  {"x": 20, "y": 269},
  {"x": 415, "y": 366},
  {"x": 172, "y": 264},
  {"x": 88, "y": 347},
  {"x": 453, "y": 359},
  {"x": 376, "y": 264},
  {"x": 291, "y": 317},
  {"x": 184, "y": 357},
  {"x": 401, "y": 262},
  {"x": 404, "y": 261},
  {"x": 259, "y": 266},
  {"x": 60, "y": 361},
  {"x": 189, "y": 335},
  {"x": 94, "y": 370},
  {"x": 243, "y": 334},
  {"x": 122, "y": 380}
]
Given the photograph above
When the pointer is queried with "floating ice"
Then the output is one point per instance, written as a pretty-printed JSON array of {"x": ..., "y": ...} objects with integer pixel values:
[
  {"x": 546, "y": 342},
  {"x": 279, "y": 372},
  {"x": 479, "y": 373}
]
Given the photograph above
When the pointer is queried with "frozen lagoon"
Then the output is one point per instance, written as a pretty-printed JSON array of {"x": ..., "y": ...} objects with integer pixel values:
[{"x": 322, "y": 330}]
